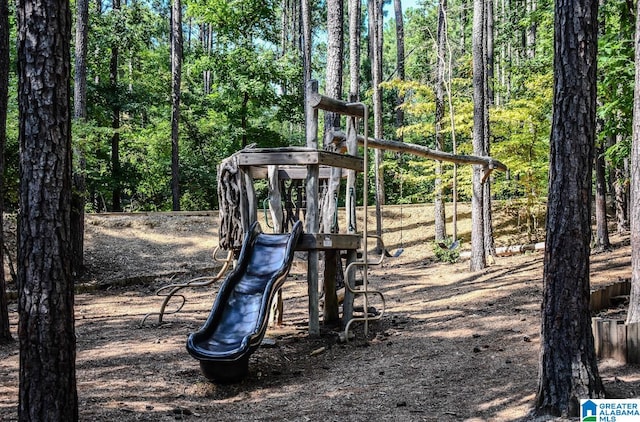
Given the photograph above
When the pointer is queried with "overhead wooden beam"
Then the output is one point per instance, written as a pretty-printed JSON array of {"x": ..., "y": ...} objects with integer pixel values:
[
  {"x": 323, "y": 102},
  {"x": 422, "y": 151}
]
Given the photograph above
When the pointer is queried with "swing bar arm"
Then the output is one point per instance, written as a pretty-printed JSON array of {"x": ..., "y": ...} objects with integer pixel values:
[{"x": 488, "y": 163}]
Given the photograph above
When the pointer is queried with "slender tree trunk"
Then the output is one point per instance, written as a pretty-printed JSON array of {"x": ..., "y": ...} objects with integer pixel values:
[
  {"x": 464, "y": 20},
  {"x": 116, "y": 176},
  {"x": 45, "y": 284},
  {"x": 176, "y": 75},
  {"x": 478, "y": 259},
  {"x": 532, "y": 30},
  {"x": 335, "y": 54},
  {"x": 305, "y": 10},
  {"x": 397, "y": 7},
  {"x": 602, "y": 230},
  {"x": 354, "y": 48},
  {"x": 490, "y": 51},
  {"x": 438, "y": 202},
  {"x": 79, "y": 193},
  {"x": 5, "y": 332},
  {"x": 568, "y": 365},
  {"x": 633, "y": 314},
  {"x": 375, "y": 35},
  {"x": 487, "y": 54},
  {"x": 454, "y": 144},
  {"x": 621, "y": 191}
]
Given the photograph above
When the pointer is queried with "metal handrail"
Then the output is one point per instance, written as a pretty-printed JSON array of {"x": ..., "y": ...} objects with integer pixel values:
[{"x": 195, "y": 282}]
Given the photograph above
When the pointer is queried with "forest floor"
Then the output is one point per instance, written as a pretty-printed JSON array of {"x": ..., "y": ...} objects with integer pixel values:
[{"x": 452, "y": 345}]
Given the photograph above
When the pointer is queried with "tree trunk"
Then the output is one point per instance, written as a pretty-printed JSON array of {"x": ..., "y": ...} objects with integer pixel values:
[
  {"x": 621, "y": 190},
  {"x": 438, "y": 202},
  {"x": 375, "y": 35},
  {"x": 633, "y": 314},
  {"x": 5, "y": 333},
  {"x": 487, "y": 57},
  {"x": 464, "y": 20},
  {"x": 115, "y": 124},
  {"x": 176, "y": 74},
  {"x": 397, "y": 7},
  {"x": 79, "y": 192},
  {"x": 306, "y": 44},
  {"x": 45, "y": 284},
  {"x": 354, "y": 49},
  {"x": 490, "y": 54},
  {"x": 602, "y": 230},
  {"x": 333, "y": 264},
  {"x": 568, "y": 365},
  {"x": 478, "y": 259}
]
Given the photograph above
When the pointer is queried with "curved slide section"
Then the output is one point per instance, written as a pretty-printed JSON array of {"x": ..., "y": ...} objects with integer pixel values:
[{"x": 238, "y": 320}]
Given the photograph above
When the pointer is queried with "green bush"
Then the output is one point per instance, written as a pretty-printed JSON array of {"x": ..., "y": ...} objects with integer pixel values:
[{"x": 446, "y": 250}]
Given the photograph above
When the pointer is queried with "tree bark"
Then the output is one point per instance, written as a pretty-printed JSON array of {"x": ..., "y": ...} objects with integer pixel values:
[
  {"x": 633, "y": 314},
  {"x": 354, "y": 49},
  {"x": 602, "y": 229},
  {"x": 335, "y": 54},
  {"x": 438, "y": 202},
  {"x": 79, "y": 192},
  {"x": 397, "y": 8},
  {"x": 568, "y": 365},
  {"x": 116, "y": 176},
  {"x": 487, "y": 58},
  {"x": 45, "y": 284},
  {"x": 306, "y": 43},
  {"x": 621, "y": 191},
  {"x": 176, "y": 75},
  {"x": 375, "y": 35},
  {"x": 5, "y": 332},
  {"x": 478, "y": 259}
]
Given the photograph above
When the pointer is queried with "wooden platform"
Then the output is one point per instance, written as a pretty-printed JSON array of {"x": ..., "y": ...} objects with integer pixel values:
[
  {"x": 325, "y": 241},
  {"x": 294, "y": 159}
]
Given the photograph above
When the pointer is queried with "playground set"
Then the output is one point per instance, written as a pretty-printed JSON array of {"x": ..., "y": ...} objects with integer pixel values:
[{"x": 239, "y": 317}]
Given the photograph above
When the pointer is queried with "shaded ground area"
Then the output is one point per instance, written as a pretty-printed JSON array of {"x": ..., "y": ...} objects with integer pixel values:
[{"x": 451, "y": 346}]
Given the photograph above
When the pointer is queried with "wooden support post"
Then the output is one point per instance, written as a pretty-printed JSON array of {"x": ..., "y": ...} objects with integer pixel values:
[
  {"x": 277, "y": 216},
  {"x": 251, "y": 205},
  {"x": 330, "y": 309},
  {"x": 312, "y": 217}
]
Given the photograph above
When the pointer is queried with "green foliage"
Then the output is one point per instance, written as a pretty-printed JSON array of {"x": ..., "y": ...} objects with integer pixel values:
[
  {"x": 521, "y": 130},
  {"x": 616, "y": 73},
  {"x": 446, "y": 250}
]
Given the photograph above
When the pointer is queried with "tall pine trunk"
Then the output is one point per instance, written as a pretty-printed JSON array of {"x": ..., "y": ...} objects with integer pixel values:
[
  {"x": 116, "y": 191},
  {"x": 634, "y": 300},
  {"x": 397, "y": 8},
  {"x": 5, "y": 333},
  {"x": 176, "y": 74},
  {"x": 78, "y": 195},
  {"x": 568, "y": 365},
  {"x": 335, "y": 55},
  {"x": 45, "y": 283},
  {"x": 375, "y": 37},
  {"x": 438, "y": 202},
  {"x": 478, "y": 258}
]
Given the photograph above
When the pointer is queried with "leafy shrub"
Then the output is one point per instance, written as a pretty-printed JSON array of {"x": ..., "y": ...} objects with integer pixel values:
[{"x": 446, "y": 250}]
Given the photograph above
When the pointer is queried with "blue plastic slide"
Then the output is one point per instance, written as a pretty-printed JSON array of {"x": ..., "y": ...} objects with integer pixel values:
[{"x": 238, "y": 320}]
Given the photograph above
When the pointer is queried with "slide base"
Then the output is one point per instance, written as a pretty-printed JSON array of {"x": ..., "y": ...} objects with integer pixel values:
[{"x": 222, "y": 372}]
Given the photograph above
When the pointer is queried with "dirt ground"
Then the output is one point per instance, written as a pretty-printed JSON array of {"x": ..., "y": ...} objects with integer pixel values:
[{"x": 451, "y": 346}]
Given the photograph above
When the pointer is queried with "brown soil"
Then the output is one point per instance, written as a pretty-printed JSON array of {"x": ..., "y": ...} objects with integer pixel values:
[{"x": 452, "y": 345}]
